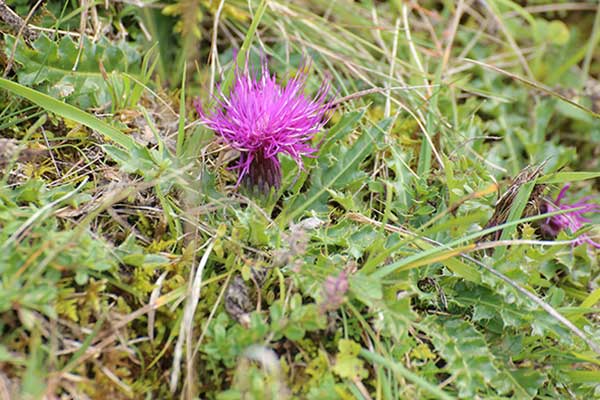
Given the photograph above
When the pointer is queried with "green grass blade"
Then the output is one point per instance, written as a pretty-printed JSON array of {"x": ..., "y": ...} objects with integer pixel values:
[
  {"x": 565, "y": 177},
  {"x": 70, "y": 112},
  {"x": 181, "y": 125},
  {"x": 405, "y": 373},
  {"x": 395, "y": 266},
  {"x": 243, "y": 53}
]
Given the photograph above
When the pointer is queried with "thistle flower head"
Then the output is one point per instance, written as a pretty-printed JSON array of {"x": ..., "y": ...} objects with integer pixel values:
[
  {"x": 571, "y": 220},
  {"x": 261, "y": 119}
]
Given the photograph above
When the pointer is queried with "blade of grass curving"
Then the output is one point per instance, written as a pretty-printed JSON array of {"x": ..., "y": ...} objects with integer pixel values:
[
  {"x": 186, "y": 327},
  {"x": 498, "y": 16},
  {"x": 584, "y": 376},
  {"x": 519, "y": 10},
  {"x": 70, "y": 112},
  {"x": 400, "y": 370},
  {"x": 152, "y": 92},
  {"x": 84, "y": 346},
  {"x": 542, "y": 304},
  {"x": 427, "y": 149},
  {"x": 159, "y": 35},
  {"x": 393, "y": 267},
  {"x": 592, "y": 44},
  {"x": 556, "y": 73},
  {"x": 584, "y": 53},
  {"x": 243, "y": 53},
  {"x": 454, "y": 264},
  {"x": 591, "y": 300},
  {"x": 181, "y": 125},
  {"x": 451, "y": 253},
  {"x": 535, "y": 85},
  {"x": 564, "y": 177}
]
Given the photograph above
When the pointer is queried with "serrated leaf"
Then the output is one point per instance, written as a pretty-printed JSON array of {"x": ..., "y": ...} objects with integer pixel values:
[
  {"x": 339, "y": 173},
  {"x": 136, "y": 161},
  {"x": 58, "y": 68},
  {"x": 467, "y": 356},
  {"x": 395, "y": 317},
  {"x": 529, "y": 380},
  {"x": 340, "y": 130},
  {"x": 347, "y": 364}
]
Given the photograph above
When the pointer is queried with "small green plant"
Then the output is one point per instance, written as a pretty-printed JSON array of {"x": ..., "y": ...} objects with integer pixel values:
[{"x": 93, "y": 75}]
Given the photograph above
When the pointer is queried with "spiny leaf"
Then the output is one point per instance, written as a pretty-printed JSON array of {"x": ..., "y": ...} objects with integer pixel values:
[
  {"x": 340, "y": 173},
  {"x": 58, "y": 69},
  {"x": 469, "y": 359}
]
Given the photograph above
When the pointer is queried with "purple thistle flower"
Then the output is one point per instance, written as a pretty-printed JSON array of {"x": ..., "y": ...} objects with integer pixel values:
[
  {"x": 572, "y": 220},
  {"x": 261, "y": 118}
]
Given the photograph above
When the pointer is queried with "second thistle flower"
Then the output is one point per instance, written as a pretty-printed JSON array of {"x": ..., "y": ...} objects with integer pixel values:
[
  {"x": 261, "y": 119},
  {"x": 572, "y": 220}
]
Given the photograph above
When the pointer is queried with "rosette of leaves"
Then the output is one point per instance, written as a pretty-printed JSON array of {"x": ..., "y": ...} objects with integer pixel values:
[{"x": 96, "y": 74}]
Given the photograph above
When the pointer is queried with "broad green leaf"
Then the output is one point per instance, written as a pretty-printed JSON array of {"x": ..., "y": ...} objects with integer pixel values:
[
  {"x": 136, "y": 161},
  {"x": 527, "y": 379},
  {"x": 366, "y": 289},
  {"x": 347, "y": 364},
  {"x": 294, "y": 332}
]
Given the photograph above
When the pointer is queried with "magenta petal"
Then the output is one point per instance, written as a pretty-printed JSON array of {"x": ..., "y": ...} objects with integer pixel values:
[
  {"x": 562, "y": 193},
  {"x": 571, "y": 221},
  {"x": 261, "y": 119}
]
